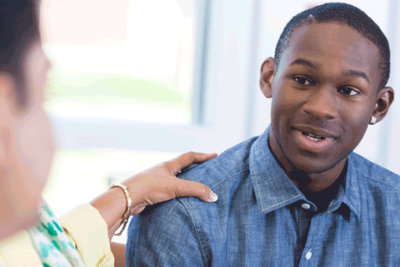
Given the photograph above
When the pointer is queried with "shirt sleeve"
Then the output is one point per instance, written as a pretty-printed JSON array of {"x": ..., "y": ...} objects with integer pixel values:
[
  {"x": 163, "y": 235},
  {"x": 87, "y": 229},
  {"x": 18, "y": 251}
]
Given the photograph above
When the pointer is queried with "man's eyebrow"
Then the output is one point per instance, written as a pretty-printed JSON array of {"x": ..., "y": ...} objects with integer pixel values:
[
  {"x": 304, "y": 62},
  {"x": 356, "y": 73}
]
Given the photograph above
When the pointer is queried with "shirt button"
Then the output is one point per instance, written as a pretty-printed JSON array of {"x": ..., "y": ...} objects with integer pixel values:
[
  {"x": 306, "y": 206},
  {"x": 308, "y": 255}
]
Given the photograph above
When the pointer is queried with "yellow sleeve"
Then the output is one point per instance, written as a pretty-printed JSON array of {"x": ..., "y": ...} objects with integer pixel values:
[
  {"x": 18, "y": 251},
  {"x": 87, "y": 229}
]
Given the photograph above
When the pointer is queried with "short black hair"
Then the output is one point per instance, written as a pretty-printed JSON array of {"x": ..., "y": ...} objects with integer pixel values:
[
  {"x": 344, "y": 14},
  {"x": 18, "y": 29}
]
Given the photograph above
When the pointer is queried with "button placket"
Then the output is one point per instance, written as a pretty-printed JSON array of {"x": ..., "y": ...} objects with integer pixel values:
[{"x": 313, "y": 244}]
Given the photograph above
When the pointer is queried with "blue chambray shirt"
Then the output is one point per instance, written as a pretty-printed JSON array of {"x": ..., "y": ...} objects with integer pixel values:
[{"x": 262, "y": 219}]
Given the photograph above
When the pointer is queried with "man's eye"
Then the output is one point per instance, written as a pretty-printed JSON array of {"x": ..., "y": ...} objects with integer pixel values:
[
  {"x": 348, "y": 91},
  {"x": 302, "y": 80}
]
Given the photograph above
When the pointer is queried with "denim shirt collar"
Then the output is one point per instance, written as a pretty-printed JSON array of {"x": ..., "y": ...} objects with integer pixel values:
[{"x": 274, "y": 189}]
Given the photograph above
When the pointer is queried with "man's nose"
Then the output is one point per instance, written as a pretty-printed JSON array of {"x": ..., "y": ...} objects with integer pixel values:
[{"x": 321, "y": 103}]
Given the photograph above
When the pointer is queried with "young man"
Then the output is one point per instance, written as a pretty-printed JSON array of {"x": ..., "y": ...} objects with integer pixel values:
[{"x": 296, "y": 195}]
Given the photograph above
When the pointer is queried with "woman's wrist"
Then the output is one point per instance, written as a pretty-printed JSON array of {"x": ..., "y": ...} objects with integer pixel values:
[
  {"x": 140, "y": 188},
  {"x": 128, "y": 207},
  {"x": 111, "y": 205}
]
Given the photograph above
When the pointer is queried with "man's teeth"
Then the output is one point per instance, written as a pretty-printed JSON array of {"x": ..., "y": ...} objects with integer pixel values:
[{"x": 313, "y": 137}]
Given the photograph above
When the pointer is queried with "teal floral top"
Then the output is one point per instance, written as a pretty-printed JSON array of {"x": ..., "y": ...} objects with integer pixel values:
[{"x": 52, "y": 244}]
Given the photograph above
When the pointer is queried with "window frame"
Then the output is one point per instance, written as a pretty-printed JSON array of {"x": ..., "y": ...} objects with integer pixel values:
[{"x": 221, "y": 106}]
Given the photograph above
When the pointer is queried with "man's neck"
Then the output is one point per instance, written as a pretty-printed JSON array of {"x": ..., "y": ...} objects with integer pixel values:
[{"x": 306, "y": 181}]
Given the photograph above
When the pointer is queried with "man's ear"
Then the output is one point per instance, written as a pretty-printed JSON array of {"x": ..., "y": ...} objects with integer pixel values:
[
  {"x": 267, "y": 74},
  {"x": 383, "y": 101}
]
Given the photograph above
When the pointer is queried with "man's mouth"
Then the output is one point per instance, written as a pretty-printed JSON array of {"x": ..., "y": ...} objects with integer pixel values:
[{"x": 313, "y": 139}]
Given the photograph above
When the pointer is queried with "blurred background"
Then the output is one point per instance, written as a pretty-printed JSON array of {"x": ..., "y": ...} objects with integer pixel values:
[{"x": 136, "y": 82}]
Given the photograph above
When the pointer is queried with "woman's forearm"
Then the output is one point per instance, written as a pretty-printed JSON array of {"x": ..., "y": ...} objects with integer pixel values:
[
  {"x": 111, "y": 206},
  {"x": 118, "y": 251}
]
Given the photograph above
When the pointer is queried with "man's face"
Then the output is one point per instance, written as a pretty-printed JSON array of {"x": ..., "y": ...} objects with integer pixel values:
[{"x": 324, "y": 93}]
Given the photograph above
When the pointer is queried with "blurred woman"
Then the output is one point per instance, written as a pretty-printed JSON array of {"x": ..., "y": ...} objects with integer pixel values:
[{"x": 82, "y": 238}]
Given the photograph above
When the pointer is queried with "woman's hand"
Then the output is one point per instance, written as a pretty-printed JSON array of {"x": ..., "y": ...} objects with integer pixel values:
[
  {"x": 152, "y": 186},
  {"x": 160, "y": 183}
]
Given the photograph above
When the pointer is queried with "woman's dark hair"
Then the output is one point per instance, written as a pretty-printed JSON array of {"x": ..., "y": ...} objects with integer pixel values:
[
  {"x": 18, "y": 30},
  {"x": 344, "y": 14}
]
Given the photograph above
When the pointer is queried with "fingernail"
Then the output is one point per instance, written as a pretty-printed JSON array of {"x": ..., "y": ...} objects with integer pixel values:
[{"x": 213, "y": 197}]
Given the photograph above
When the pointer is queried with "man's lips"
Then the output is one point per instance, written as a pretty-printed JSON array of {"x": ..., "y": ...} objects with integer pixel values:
[
  {"x": 313, "y": 139},
  {"x": 315, "y": 132}
]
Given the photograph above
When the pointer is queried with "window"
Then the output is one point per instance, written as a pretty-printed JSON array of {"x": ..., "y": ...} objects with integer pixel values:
[
  {"x": 129, "y": 60},
  {"x": 125, "y": 66}
]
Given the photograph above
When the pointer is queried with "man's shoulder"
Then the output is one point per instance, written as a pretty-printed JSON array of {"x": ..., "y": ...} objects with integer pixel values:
[
  {"x": 375, "y": 174},
  {"x": 230, "y": 163},
  {"x": 211, "y": 173},
  {"x": 182, "y": 229}
]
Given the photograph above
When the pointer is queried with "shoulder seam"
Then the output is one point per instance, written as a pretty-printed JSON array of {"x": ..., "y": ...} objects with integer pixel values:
[
  {"x": 396, "y": 187},
  {"x": 229, "y": 177}
]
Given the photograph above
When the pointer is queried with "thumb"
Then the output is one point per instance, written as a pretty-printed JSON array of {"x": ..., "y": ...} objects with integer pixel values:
[{"x": 186, "y": 188}]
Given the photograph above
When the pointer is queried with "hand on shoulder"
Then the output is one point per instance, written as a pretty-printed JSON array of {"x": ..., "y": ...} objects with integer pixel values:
[{"x": 160, "y": 183}]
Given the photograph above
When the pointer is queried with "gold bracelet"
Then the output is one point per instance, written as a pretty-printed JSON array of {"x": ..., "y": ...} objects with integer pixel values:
[{"x": 127, "y": 212}]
